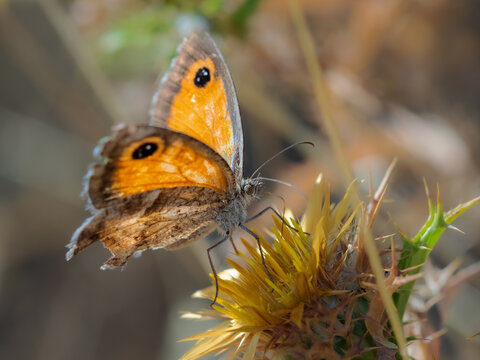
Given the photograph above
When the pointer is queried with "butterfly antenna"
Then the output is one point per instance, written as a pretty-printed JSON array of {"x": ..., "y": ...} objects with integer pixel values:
[
  {"x": 284, "y": 183},
  {"x": 279, "y": 153}
]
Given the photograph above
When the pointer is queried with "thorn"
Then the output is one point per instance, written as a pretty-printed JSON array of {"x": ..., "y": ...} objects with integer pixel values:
[
  {"x": 438, "y": 194},
  {"x": 385, "y": 180},
  {"x": 451, "y": 227},
  {"x": 394, "y": 261},
  {"x": 473, "y": 336},
  {"x": 435, "y": 335},
  {"x": 427, "y": 191}
]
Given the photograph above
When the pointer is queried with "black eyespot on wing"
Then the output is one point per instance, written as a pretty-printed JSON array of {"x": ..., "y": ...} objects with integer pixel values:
[
  {"x": 144, "y": 150},
  {"x": 202, "y": 77}
]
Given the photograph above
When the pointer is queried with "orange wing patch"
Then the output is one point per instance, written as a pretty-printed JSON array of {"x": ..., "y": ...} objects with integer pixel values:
[
  {"x": 152, "y": 164},
  {"x": 201, "y": 111}
]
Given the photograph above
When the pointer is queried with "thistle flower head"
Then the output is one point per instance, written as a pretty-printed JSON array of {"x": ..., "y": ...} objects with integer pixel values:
[
  {"x": 319, "y": 298},
  {"x": 310, "y": 306}
]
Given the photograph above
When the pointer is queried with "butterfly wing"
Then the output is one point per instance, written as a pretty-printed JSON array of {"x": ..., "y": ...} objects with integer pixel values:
[
  {"x": 164, "y": 218},
  {"x": 197, "y": 98},
  {"x": 141, "y": 158},
  {"x": 152, "y": 188}
]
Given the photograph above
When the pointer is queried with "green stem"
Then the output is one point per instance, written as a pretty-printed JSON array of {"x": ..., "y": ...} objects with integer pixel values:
[{"x": 415, "y": 251}]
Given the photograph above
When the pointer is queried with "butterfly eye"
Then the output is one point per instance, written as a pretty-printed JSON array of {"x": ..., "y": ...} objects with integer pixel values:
[
  {"x": 202, "y": 77},
  {"x": 144, "y": 150},
  {"x": 249, "y": 189}
]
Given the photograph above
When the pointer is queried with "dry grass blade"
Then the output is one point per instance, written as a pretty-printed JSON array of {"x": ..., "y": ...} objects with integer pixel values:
[{"x": 321, "y": 91}]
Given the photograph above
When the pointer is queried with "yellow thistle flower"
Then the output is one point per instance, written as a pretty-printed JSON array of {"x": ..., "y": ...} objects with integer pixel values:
[
  {"x": 319, "y": 298},
  {"x": 308, "y": 308}
]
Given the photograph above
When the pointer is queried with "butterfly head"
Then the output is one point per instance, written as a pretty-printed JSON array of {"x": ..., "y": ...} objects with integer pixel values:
[{"x": 251, "y": 187}]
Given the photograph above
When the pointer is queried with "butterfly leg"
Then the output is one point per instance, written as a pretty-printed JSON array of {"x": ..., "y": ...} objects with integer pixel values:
[
  {"x": 259, "y": 247},
  {"x": 276, "y": 213},
  {"x": 283, "y": 212},
  {"x": 233, "y": 244},
  {"x": 213, "y": 267}
]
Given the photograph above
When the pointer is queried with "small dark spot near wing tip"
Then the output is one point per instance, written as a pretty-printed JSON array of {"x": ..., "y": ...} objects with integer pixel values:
[{"x": 202, "y": 77}]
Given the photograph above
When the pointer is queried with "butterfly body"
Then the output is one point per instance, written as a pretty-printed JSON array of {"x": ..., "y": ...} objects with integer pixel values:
[
  {"x": 177, "y": 179},
  {"x": 235, "y": 211}
]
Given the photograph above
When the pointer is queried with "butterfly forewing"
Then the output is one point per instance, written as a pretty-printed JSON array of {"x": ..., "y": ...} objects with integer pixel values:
[
  {"x": 197, "y": 97},
  {"x": 140, "y": 158}
]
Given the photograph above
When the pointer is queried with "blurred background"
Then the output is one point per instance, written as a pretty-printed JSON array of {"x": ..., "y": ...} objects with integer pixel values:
[{"x": 404, "y": 77}]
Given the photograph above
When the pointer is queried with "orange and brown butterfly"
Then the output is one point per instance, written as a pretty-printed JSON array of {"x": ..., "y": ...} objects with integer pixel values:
[{"x": 174, "y": 181}]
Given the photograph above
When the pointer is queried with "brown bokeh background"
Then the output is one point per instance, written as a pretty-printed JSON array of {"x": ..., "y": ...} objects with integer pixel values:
[{"x": 404, "y": 77}]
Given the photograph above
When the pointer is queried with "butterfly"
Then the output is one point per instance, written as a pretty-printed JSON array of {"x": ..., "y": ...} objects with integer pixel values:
[{"x": 177, "y": 179}]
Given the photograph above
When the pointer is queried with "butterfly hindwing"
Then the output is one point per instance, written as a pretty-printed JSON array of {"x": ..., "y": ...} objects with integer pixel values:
[{"x": 168, "y": 218}]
